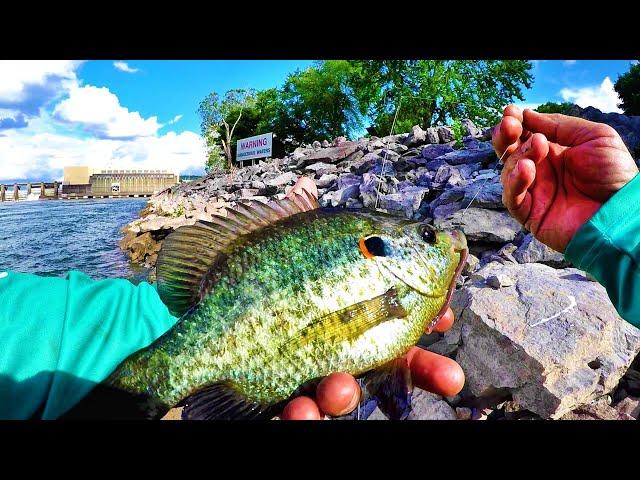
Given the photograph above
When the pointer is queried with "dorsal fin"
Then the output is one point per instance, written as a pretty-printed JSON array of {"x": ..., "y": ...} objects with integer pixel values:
[{"x": 188, "y": 253}]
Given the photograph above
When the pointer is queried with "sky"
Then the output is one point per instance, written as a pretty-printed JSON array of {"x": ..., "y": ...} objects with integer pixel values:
[{"x": 142, "y": 114}]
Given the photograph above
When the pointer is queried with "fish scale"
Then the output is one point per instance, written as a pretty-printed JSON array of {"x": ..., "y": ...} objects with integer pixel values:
[{"x": 271, "y": 284}]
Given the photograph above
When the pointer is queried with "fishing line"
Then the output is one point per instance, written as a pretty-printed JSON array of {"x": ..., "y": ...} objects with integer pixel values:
[
  {"x": 386, "y": 154},
  {"x": 480, "y": 188}
]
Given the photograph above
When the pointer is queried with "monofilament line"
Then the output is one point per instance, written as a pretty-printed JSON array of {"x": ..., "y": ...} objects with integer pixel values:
[
  {"x": 386, "y": 153},
  {"x": 480, "y": 189}
]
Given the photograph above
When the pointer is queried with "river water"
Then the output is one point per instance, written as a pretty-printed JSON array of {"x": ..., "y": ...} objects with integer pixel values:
[{"x": 51, "y": 237}]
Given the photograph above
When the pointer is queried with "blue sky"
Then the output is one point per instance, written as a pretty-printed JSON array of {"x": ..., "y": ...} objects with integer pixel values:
[{"x": 142, "y": 114}]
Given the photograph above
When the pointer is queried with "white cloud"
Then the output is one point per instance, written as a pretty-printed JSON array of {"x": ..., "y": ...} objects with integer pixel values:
[
  {"x": 569, "y": 62},
  {"x": 603, "y": 96},
  {"x": 175, "y": 119},
  {"x": 33, "y": 142},
  {"x": 531, "y": 106},
  {"x": 28, "y": 85},
  {"x": 44, "y": 155},
  {"x": 124, "y": 67},
  {"x": 100, "y": 112}
]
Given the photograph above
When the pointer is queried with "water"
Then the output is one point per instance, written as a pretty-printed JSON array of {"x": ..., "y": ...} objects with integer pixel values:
[{"x": 51, "y": 237}]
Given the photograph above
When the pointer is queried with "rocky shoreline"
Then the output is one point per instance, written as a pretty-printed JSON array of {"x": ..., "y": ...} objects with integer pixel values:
[{"x": 535, "y": 337}]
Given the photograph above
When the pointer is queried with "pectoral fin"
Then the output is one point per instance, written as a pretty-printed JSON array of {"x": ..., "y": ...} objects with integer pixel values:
[{"x": 352, "y": 321}]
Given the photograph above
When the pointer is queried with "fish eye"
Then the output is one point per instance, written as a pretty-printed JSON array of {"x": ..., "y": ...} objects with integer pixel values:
[
  {"x": 428, "y": 234},
  {"x": 372, "y": 246}
]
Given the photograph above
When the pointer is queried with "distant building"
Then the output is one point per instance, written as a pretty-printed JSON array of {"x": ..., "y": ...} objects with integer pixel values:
[{"x": 87, "y": 181}]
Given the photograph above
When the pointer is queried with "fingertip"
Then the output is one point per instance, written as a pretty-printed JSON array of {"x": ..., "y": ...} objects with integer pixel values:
[
  {"x": 301, "y": 408},
  {"x": 338, "y": 394},
  {"x": 513, "y": 111},
  {"x": 436, "y": 373},
  {"x": 445, "y": 322}
]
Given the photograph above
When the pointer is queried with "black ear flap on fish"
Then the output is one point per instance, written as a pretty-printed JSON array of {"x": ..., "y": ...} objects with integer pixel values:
[
  {"x": 190, "y": 253},
  {"x": 221, "y": 401}
]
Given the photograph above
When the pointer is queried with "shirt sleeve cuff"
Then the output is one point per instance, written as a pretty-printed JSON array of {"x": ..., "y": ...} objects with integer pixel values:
[{"x": 609, "y": 225}]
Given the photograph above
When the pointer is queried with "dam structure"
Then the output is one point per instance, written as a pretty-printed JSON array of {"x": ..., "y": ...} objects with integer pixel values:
[{"x": 86, "y": 182}]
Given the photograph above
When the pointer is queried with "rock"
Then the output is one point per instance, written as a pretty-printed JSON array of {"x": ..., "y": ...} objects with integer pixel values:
[
  {"x": 354, "y": 203},
  {"x": 629, "y": 406},
  {"x": 431, "y": 152},
  {"x": 247, "y": 192},
  {"x": 552, "y": 340},
  {"x": 532, "y": 250},
  {"x": 340, "y": 197},
  {"x": 339, "y": 141},
  {"x": 472, "y": 264},
  {"x": 486, "y": 133},
  {"x": 288, "y": 178},
  {"x": 484, "y": 154},
  {"x": 406, "y": 202},
  {"x": 446, "y": 134},
  {"x": 321, "y": 168},
  {"x": 399, "y": 138},
  {"x": 481, "y": 225},
  {"x": 377, "y": 415},
  {"x": 469, "y": 128},
  {"x": 429, "y": 406},
  {"x": 480, "y": 413},
  {"x": 325, "y": 144},
  {"x": 331, "y": 155},
  {"x": 444, "y": 211},
  {"x": 173, "y": 414},
  {"x": 598, "y": 410},
  {"x": 417, "y": 137},
  {"x": 499, "y": 281},
  {"x": 485, "y": 194},
  {"x": 140, "y": 246},
  {"x": 348, "y": 180},
  {"x": 326, "y": 180},
  {"x": 316, "y": 145},
  {"x": 432, "y": 135},
  {"x": 463, "y": 413}
]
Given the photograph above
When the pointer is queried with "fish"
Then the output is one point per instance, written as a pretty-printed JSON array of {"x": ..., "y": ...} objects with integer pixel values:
[{"x": 273, "y": 297}]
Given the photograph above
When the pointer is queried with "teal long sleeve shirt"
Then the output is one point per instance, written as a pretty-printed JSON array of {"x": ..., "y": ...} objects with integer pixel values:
[
  {"x": 59, "y": 337},
  {"x": 608, "y": 247}
]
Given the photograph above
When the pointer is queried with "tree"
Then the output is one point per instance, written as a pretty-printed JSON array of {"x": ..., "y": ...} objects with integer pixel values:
[
  {"x": 222, "y": 116},
  {"x": 317, "y": 104},
  {"x": 553, "y": 107},
  {"x": 435, "y": 92},
  {"x": 628, "y": 88}
]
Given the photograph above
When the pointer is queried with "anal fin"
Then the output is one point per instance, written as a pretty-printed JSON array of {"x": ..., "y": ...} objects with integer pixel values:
[{"x": 223, "y": 401}]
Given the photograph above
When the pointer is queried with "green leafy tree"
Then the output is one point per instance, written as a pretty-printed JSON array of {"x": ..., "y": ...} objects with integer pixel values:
[
  {"x": 317, "y": 103},
  {"x": 222, "y": 115},
  {"x": 554, "y": 107},
  {"x": 628, "y": 88},
  {"x": 435, "y": 92}
]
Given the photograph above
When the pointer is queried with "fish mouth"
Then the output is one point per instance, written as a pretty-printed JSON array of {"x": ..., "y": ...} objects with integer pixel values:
[{"x": 464, "y": 253}]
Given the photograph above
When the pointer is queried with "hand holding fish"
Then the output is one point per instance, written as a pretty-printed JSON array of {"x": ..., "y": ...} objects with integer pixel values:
[
  {"x": 559, "y": 170},
  {"x": 339, "y": 393}
]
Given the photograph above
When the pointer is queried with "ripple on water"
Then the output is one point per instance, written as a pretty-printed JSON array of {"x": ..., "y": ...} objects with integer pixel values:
[{"x": 53, "y": 237}]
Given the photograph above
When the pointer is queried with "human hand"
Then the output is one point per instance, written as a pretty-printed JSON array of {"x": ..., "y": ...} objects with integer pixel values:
[
  {"x": 339, "y": 393},
  {"x": 559, "y": 171}
]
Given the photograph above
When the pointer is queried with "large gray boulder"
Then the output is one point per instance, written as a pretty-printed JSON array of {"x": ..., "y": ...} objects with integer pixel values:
[
  {"x": 330, "y": 155},
  {"x": 552, "y": 339},
  {"x": 485, "y": 193},
  {"x": 482, "y": 225},
  {"x": 424, "y": 406},
  {"x": 484, "y": 153},
  {"x": 532, "y": 250}
]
